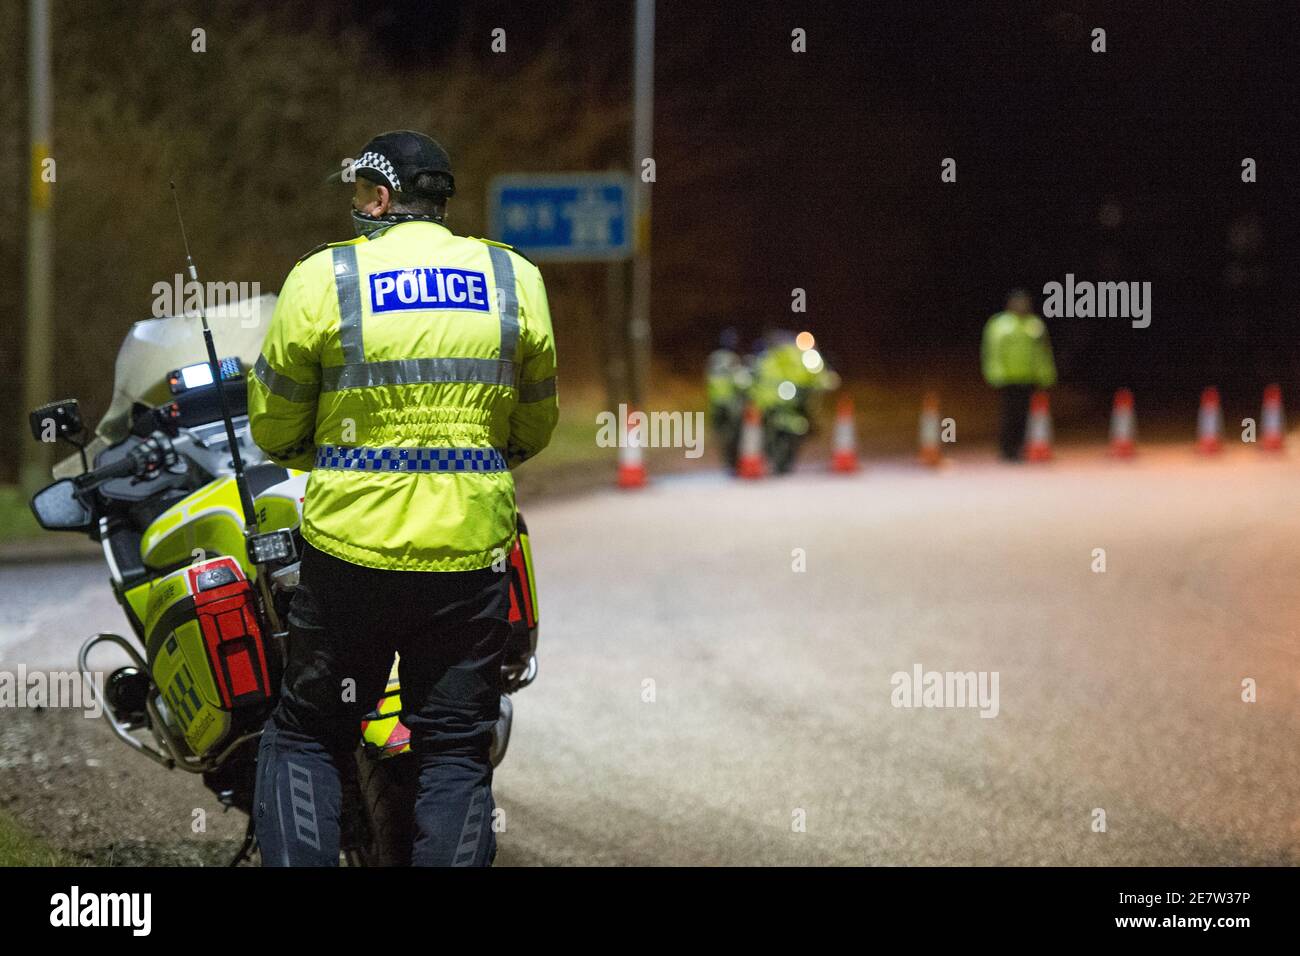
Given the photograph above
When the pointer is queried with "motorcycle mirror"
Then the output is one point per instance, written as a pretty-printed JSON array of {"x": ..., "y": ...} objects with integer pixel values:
[
  {"x": 57, "y": 420},
  {"x": 59, "y": 508}
]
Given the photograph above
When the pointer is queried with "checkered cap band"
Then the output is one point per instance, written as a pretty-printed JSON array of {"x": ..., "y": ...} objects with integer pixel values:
[{"x": 379, "y": 163}]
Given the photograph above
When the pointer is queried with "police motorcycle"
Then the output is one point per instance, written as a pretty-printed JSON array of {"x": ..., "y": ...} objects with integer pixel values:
[
  {"x": 728, "y": 379},
  {"x": 164, "y": 487},
  {"x": 785, "y": 381}
]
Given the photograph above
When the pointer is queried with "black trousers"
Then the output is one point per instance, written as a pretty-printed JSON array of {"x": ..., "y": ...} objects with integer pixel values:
[
  {"x": 345, "y": 625},
  {"x": 1013, "y": 416}
]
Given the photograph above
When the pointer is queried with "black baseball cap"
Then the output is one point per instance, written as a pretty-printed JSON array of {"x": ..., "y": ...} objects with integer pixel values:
[{"x": 396, "y": 158}]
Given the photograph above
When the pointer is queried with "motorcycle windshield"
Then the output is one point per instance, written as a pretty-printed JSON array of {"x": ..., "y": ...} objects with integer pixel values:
[{"x": 155, "y": 347}]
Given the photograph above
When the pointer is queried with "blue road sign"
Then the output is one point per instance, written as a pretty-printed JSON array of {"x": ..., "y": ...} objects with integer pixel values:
[{"x": 563, "y": 216}]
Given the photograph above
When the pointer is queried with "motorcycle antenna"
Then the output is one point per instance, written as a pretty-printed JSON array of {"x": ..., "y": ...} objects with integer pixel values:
[{"x": 236, "y": 459}]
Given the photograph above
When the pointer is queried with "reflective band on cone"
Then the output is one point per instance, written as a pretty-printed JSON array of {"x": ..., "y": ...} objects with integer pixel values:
[
  {"x": 1123, "y": 425},
  {"x": 750, "y": 463},
  {"x": 1272, "y": 422},
  {"x": 1038, "y": 441},
  {"x": 928, "y": 431},
  {"x": 844, "y": 455},
  {"x": 1209, "y": 424},
  {"x": 631, "y": 464}
]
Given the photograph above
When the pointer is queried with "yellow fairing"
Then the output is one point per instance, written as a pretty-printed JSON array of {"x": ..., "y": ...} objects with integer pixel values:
[
  {"x": 203, "y": 525},
  {"x": 138, "y": 600},
  {"x": 209, "y": 523},
  {"x": 274, "y": 512}
]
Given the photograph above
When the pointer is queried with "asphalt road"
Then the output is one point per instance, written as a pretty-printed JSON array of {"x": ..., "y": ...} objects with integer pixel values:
[{"x": 702, "y": 702}]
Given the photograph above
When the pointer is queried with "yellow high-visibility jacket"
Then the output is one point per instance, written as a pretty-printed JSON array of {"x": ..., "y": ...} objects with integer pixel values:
[
  {"x": 784, "y": 362},
  {"x": 409, "y": 371},
  {"x": 1017, "y": 351}
]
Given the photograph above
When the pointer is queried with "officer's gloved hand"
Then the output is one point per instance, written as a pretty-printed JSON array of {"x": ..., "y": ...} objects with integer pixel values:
[{"x": 516, "y": 455}]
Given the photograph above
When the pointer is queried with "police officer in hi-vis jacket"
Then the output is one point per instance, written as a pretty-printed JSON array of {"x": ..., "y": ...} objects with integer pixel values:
[
  {"x": 1017, "y": 358},
  {"x": 409, "y": 369}
]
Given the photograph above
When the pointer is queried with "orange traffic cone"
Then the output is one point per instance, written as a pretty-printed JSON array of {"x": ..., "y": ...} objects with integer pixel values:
[
  {"x": 631, "y": 460},
  {"x": 750, "y": 463},
  {"x": 1209, "y": 424},
  {"x": 1271, "y": 422},
  {"x": 1038, "y": 444},
  {"x": 1123, "y": 425},
  {"x": 928, "y": 431},
  {"x": 844, "y": 454}
]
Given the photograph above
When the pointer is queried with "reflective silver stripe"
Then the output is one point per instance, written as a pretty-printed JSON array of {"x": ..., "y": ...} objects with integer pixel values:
[
  {"x": 356, "y": 372},
  {"x": 349, "y": 289},
  {"x": 335, "y": 378},
  {"x": 503, "y": 274},
  {"x": 302, "y": 797},
  {"x": 283, "y": 385},
  {"x": 536, "y": 391},
  {"x": 471, "y": 831}
]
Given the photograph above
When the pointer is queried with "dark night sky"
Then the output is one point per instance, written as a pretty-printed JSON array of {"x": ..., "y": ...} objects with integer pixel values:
[
  {"x": 821, "y": 170},
  {"x": 844, "y": 149}
]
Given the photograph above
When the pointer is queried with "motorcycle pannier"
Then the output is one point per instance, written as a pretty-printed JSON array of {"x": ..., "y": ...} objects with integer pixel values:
[{"x": 207, "y": 653}]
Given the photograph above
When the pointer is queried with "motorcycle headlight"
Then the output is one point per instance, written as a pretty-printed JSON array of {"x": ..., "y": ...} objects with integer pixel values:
[{"x": 271, "y": 546}]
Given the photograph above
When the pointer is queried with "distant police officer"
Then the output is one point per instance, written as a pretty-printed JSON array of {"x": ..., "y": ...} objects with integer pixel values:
[
  {"x": 1017, "y": 358},
  {"x": 723, "y": 366},
  {"x": 724, "y": 378},
  {"x": 409, "y": 369}
]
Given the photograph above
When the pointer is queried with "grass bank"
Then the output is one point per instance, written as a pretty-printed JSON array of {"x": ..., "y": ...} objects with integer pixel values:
[{"x": 20, "y": 848}]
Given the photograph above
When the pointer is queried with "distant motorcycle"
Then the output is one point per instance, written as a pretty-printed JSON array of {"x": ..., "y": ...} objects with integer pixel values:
[
  {"x": 785, "y": 384},
  {"x": 785, "y": 426},
  {"x": 729, "y": 380},
  {"x": 208, "y": 606}
]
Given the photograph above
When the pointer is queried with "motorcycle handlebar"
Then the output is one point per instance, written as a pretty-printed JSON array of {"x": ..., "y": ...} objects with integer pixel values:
[{"x": 150, "y": 455}]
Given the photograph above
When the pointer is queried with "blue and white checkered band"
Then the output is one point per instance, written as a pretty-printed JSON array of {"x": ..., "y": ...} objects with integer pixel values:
[
  {"x": 410, "y": 459},
  {"x": 379, "y": 163}
]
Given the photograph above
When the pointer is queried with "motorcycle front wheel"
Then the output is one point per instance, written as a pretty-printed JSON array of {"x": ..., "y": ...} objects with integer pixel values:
[{"x": 782, "y": 449}]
